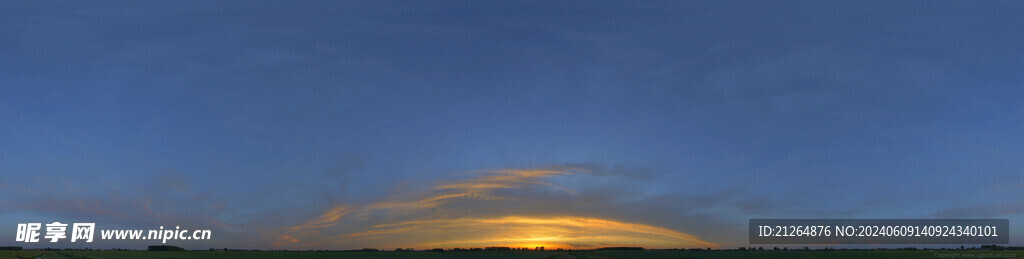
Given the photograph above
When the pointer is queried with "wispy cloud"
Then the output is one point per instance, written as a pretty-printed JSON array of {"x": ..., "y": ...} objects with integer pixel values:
[{"x": 507, "y": 207}]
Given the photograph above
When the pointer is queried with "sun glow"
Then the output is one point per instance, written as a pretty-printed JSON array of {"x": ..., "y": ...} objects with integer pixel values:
[{"x": 549, "y": 232}]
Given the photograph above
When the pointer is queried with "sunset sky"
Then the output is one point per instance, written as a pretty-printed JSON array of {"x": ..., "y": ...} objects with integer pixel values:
[{"x": 568, "y": 124}]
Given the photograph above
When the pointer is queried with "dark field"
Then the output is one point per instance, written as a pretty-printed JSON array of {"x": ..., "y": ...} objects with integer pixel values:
[{"x": 553, "y": 254}]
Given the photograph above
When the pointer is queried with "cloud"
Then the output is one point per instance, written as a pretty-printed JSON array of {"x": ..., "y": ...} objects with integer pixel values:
[
  {"x": 569, "y": 206},
  {"x": 506, "y": 207}
]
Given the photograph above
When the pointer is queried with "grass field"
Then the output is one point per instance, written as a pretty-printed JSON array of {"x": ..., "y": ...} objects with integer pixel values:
[{"x": 552, "y": 254}]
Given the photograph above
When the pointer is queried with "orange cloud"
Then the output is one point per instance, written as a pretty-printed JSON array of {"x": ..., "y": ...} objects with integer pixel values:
[{"x": 453, "y": 214}]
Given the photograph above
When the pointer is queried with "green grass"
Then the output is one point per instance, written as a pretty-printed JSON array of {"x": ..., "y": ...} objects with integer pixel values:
[{"x": 546, "y": 255}]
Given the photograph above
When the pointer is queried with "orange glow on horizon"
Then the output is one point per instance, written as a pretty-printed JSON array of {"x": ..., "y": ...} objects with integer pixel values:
[{"x": 522, "y": 231}]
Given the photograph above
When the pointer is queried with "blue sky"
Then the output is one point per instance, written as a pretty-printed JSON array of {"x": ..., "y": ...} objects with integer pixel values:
[{"x": 272, "y": 121}]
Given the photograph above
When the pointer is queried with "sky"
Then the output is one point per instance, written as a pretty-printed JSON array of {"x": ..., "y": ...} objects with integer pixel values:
[{"x": 571, "y": 124}]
